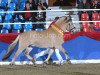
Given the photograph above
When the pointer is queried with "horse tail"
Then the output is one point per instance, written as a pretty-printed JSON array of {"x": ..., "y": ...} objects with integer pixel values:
[{"x": 10, "y": 49}]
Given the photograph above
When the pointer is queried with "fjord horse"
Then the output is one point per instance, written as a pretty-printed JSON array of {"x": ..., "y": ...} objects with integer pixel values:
[{"x": 51, "y": 38}]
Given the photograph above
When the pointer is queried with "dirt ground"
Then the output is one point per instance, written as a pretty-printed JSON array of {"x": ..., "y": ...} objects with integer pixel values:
[{"x": 73, "y": 69}]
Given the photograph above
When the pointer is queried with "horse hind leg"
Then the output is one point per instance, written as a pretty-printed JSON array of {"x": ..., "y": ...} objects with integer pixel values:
[
  {"x": 16, "y": 55},
  {"x": 49, "y": 55},
  {"x": 27, "y": 51}
]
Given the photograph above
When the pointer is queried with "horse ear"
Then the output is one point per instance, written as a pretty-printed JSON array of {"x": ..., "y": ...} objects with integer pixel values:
[{"x": 56, "y": 18}]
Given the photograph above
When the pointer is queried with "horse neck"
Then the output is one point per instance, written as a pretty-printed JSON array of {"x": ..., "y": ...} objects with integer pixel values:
[{"x": 53, "y": 31}]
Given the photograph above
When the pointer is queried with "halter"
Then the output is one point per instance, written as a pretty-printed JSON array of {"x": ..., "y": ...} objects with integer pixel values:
[{"x": 58, "y": 29}]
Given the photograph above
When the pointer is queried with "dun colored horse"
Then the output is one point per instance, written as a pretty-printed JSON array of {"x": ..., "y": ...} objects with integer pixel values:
[{"x": 51, "y": 38}]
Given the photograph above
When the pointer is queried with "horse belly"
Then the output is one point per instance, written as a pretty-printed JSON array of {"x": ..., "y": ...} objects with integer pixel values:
[
  {"x": 24, "y": 41},
  {"x": 43, "y": 43},
  {"x": 48, "y": 42}
]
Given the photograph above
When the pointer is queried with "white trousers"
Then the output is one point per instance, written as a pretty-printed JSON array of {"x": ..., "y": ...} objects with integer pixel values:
[{"x": 42, "y": 53}]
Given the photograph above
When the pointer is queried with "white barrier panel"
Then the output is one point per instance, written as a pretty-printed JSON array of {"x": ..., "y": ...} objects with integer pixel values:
[{"x": 57, "y": 62}]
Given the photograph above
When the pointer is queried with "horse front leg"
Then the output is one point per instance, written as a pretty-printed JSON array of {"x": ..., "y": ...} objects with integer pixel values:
[
  {"x": 66, "y": 55},
  {"x": 42, "y": 53}
]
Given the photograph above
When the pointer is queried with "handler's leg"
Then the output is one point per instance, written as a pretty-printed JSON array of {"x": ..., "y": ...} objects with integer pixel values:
[
  {"x": 42, "y": 53},
  {"x": 59, "y": 56}
]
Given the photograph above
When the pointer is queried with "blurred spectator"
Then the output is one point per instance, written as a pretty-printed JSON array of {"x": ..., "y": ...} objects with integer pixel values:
[
  {"x": 36, "y": 1},
  {"x": 83, "y": 5},
  {"x": 96, "y": 5},
  {"x": 29, "y": 6},
  {"x": 27, "y": 15},
  {"x": 61, "y": 3},
  {"x": 42, "y": 1},
  {"x": 32, "y": 4},
  {"x": 45, "y": 5},
  {"x": 89, "y": 2},
  {"x": 58, "y": 2},
  {"x": 40, "y": 16},
  {"x": 78, "y": 2}
]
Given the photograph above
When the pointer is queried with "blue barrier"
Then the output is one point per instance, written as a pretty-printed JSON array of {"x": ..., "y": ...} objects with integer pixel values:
[{"x": 80, "y": 48}]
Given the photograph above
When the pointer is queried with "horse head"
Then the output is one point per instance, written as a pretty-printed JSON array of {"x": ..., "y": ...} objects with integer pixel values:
[{"x": 65, "y": 23}]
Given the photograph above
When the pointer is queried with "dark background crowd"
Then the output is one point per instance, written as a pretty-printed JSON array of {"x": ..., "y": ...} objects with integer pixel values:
[
  {"x": 36, "y": 17},
  {"x": 88, "y": 4},
  {"x": 23, "y": 5},
  {"x": 93, "y": 15}
]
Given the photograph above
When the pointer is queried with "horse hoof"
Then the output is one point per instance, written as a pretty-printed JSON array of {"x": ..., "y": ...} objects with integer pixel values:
[
  {"x": 11, "y": 64},
  {"x": 55, "y": 64},
  {"x": 68, "y": 61},
  {"x": 45, "y": 64},
  {"x": 33, "y": 61},
  {"x": 34, "y": 65}
]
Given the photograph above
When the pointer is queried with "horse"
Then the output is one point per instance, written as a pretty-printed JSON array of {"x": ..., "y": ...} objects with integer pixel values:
[{"x": 51, "y": 38}]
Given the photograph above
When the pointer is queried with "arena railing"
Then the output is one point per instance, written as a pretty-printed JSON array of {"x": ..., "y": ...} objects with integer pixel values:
[{"x": 60, "y": 10}]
